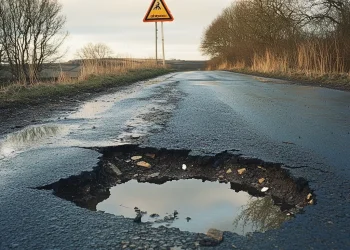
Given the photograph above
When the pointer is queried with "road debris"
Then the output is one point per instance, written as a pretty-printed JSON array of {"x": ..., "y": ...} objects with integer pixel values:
[
  {"x": 115, "y": 169},
  {"x": 309, "y": 196},
  {"x": 229, "y": 171},
  {"x": 241, "y": 171},
  {"x": 262, "y": 180},
  {"x": 184, "y": 167},
  {"x": 264, "y": 189},
  {"x": 143, "y": 164},
  {"x": 215, "y": 234},
  {"x": 136, "y": 158},
  {"x": 262, "y": 168}
]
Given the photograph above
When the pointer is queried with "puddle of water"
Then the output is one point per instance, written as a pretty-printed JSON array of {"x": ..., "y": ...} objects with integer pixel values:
[
  {"x": 200, "y": 206},
  {"x": 205, "y": 83},
  {"x": 29, "y": 137},
  {"x": 92, "y": 109}
]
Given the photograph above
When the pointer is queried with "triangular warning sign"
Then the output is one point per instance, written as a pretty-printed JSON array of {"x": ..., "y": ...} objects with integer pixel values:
[{"x": 158, "y": 12}]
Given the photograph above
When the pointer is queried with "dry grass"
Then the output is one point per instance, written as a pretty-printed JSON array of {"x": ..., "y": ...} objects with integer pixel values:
[
  {"x": 318, "y": 59},
  {"x": 270, "y": 63},
  {"x": 89, "y": 68},
  {"x": 311, "y": 61},
  {"x": 113, "y": 66},
  {"x": 95, "y": 76}
]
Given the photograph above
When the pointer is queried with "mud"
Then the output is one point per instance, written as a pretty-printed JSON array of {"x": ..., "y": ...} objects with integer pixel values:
[{"x": 116, "y": 167}]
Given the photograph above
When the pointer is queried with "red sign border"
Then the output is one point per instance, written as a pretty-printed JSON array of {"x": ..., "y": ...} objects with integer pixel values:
[{"x": 158, "y": 20}]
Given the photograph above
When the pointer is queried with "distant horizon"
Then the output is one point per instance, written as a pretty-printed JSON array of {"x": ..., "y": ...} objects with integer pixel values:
[
  {"x": 120, "y": 26},
  {"x": 137, "y": 58}
]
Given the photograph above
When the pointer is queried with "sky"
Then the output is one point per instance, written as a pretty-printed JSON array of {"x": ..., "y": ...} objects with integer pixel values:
[{"x": 119, "y": 24}]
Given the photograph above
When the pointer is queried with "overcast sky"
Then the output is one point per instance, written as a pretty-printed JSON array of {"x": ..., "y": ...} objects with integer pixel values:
[{"x": 119, "y": 24}]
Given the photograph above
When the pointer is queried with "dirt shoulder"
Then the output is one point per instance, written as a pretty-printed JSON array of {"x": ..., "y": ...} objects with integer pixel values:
[
  {"x": 33, "y": 105},
  {"x": 338, "y": 83}
]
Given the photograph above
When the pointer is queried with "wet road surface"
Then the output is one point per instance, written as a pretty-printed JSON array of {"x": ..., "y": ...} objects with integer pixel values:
[{"x": 305, "y": 128}]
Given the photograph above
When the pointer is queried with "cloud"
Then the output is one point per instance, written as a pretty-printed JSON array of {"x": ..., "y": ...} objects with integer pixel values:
[{"x": 119, "y": 24}]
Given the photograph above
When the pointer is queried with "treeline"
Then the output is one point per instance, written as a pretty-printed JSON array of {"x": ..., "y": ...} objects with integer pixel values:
[
  {"x": 30, "y": 35},
  {"x": 290, "y": 36}
]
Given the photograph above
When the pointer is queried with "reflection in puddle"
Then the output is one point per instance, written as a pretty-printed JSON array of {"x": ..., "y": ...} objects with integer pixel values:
[
  {"x": 91, "y": 109},
  {"x": 261, "y": 215},
  {"x": 98, "y": 106},
  {"x": 200, "y": 206},
  {"x": 28, "y": 137},
  {"x": 206, "y": 83}
]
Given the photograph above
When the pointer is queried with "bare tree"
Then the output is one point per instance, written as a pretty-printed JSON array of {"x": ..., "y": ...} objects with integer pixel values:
[
  {"x": 31, "y": 35},
  {"x": 249, "y": 26},
  {"x": 250, "y": 30},
  {"x": 95, "y": 51},
  {"x": 2, "y": 51}
]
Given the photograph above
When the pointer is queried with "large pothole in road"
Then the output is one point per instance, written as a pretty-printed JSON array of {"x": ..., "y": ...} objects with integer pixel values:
[{"x": 193, "y": 193}]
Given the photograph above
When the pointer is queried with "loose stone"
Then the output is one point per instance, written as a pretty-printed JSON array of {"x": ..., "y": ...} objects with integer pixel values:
[
  {"x": 143, "y": 164},
  {"x": 136, "y": 158},
  {"x": 262, "y": 180},
  {"x": 215, "y": 234},
  {"x": 241, "y": 171}
]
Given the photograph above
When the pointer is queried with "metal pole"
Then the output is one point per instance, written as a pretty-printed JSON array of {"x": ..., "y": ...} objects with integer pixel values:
[
  {"x": 163, "y": 45},
  {"x": 156, "y": 44}
]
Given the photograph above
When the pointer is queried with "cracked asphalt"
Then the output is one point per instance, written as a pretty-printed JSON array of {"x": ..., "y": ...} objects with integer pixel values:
[{"x": 305, "y": 128}]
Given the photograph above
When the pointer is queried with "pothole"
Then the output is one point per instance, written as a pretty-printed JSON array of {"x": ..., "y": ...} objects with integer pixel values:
[{"x": 172, "y": 188}]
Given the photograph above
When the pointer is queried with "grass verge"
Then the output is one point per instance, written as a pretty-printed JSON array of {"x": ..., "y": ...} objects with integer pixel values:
[
  {"x": 332, "y": 81},
  {"x": 314, "y": 64},
  {"x": 43, "y": 92}
]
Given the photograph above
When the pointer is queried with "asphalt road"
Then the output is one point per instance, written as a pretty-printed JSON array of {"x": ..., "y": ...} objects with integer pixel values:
[{"x": 305, "y": 128}]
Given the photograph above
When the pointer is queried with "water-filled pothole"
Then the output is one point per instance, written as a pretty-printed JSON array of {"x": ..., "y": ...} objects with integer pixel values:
[
  {"x": 195, "y": 206},
  {"x": 122, "y": 164}
]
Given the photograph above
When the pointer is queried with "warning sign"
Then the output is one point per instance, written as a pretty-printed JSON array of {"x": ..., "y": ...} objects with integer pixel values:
[{"x": 158, "y": 12}]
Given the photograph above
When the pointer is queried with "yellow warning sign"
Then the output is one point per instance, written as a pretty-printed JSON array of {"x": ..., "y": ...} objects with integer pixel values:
[{"x": 158, "y": 12}]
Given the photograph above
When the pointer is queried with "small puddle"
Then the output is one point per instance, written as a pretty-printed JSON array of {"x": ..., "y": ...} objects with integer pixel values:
[
  {"x": 29, "y": 137},
  {"x": 199, "y": 206}
]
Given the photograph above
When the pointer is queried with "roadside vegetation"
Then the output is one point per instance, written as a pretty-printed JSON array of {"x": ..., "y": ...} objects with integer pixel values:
[
  {"x": 43, "y": 92},
  {"x": 31, "y": 38},
  {"x": 31, "y": 34},
  {"x": 298, "y": 39}
]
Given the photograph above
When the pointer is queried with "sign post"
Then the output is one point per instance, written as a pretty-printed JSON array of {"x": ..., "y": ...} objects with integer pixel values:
[
  {"x": 159, "y": 12},
  {"x": 163, "y": 45},
  {"x": 156, "y": 43}
]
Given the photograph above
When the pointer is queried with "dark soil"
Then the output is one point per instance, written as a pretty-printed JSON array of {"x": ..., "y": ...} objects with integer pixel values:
[{"x": 116, "y": 167}]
